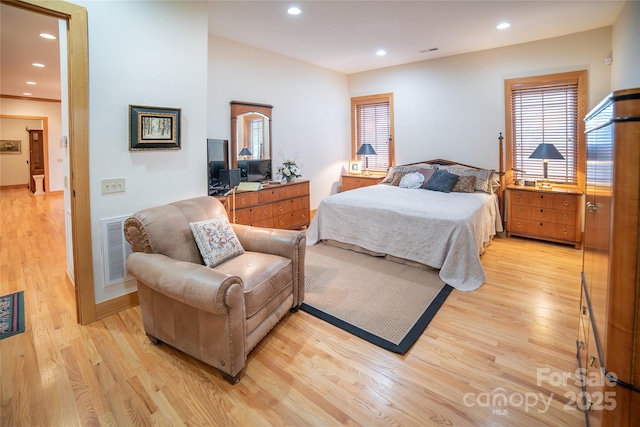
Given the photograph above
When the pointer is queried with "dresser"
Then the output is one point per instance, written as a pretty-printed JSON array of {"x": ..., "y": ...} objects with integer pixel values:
[
  {"x": 609, "y": 328},
  {"x": 547, "y": 214},
  {"x": 275, "y": 206},
  {"x": 350, "y": 182}
]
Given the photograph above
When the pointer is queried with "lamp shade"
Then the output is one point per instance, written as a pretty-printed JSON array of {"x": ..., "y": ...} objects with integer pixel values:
[
  {"x": 366, "y": 150},
  {"x": 546, "y": 152},
  {"x": 245, "y": 152}
]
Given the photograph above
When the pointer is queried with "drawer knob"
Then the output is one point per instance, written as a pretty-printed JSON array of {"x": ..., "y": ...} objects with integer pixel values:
[
  {"x": 565, "y": 232},
  {"x": 541, "y": 224},
  {"x": 591, "y": 207},
  {"x": 541, "y": 210},
  {"x": 303, "y": 216},
  {"x": 265, "y": 212},
  {"x": 565, "y": 216},
  {"x": 243, "y": 201},
  {"x": 519, "y": 197},
  {"x": 281, "y": 222},
  {"x": 565, "y": 202},
  {"x": 280, "y": 208}
]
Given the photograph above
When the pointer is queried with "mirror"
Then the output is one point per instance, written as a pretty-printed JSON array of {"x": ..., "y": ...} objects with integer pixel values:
[{"x": 251, "y": 140}]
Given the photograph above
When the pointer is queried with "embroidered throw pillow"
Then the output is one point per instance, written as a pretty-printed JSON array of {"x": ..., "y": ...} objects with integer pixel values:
[
  {"x": 397, "y": 177},
  {"x": 216, "y": 240},
  {"x": 465, "y": 184},
  {"x": 412, "y": 180}
]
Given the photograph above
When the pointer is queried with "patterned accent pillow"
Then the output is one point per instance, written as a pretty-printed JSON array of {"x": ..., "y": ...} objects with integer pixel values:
[
  {"x": 483, "y": 179},
  {"x": 412, "y": 180},
  {"x": 216, "y": 240},
  {"x": 442, "y": 181},
  {"x": 465, "y": 184},
  {"x": 397, "y": 177}
]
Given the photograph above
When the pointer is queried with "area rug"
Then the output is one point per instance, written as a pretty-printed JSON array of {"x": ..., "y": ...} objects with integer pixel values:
[
  {"x": 11, "y": 314},
  {"x": 384, "y": 302}
]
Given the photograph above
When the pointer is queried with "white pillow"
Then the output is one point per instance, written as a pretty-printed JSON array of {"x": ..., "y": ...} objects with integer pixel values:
[
  {"x": 216, "y": 240},
  {"x": 412, "y": 180}
]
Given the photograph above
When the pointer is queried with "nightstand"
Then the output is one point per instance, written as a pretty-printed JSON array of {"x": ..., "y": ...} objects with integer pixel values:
[
  {"x": 545, "y": 214},
  {"x": 350, "y": 182}
]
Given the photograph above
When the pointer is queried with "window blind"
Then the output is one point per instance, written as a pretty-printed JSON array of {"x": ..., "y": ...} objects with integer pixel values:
[
  {"x": 373, "y": 126},
  {"x": 545, "y": 113}
]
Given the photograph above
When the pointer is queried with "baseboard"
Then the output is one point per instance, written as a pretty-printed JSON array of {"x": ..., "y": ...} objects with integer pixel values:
[
  {"x": 7, "y": 187},
  {"x": 116, "y": 305}
]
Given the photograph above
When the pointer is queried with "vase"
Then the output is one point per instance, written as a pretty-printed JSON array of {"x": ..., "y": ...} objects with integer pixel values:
[{"x": 289, "y": 178}]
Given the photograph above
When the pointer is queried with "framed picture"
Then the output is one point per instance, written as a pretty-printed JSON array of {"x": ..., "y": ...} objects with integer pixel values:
[
  {"x": 154, "y": 128},
  {"x": 10, "y": 146},
  {"x": 355, "y": 168}
]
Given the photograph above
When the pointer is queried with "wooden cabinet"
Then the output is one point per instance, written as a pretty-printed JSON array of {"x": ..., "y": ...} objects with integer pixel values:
[
  {"x": 547, "y": 214},
  {"x": 609, "y": 332},
  {"x": 349, "y": 182},
  {"x": 275, "y": 206}
]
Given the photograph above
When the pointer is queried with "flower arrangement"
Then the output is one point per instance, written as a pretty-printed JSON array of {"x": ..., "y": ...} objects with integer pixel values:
[{"x": 289, "y": 170}]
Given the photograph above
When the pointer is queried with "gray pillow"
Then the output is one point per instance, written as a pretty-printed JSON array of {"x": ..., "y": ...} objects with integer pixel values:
[{"x": 441, "y": 181}]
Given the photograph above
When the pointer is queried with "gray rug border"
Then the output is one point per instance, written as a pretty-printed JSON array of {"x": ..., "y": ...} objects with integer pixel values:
[{"x": 409, "y": 339}]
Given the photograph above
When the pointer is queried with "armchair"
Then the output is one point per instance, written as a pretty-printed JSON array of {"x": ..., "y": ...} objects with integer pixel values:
[{"x": 217, "y": 315}]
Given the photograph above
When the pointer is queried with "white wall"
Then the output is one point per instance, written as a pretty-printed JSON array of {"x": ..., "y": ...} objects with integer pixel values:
[
  {"x": 625, "y": 73},
  {"x": 310, "y": 108},
  {"x": 151, "y": 54},
  {"x": 453, "y": 108},
  {"x": 51, "y": 110},
  {"x": 14, "y": 167}
]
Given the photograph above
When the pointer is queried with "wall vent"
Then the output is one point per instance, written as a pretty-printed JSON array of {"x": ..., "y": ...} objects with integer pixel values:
[{"x": 115, "y": 250}]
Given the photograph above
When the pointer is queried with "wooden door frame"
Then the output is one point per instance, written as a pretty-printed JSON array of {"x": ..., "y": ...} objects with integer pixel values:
[{"x": 78, "y": 69}]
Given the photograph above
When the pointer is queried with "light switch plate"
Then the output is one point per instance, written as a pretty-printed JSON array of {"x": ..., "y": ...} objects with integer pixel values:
[{"x": 113, "y": 185}]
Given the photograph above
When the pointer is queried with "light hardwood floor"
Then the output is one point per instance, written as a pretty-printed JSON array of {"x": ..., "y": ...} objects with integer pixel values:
[{"x": 513, "y": 338}]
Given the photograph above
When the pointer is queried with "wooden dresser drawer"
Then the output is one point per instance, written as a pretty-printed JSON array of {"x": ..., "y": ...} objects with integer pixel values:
[
  {"x": 350, "y": 182},
  {"x": 543, "y": 229},
  {"x": 544, "y": 214},
  {"x": 546, "y": 200}
]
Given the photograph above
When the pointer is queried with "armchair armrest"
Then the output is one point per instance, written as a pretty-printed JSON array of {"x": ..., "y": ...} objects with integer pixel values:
[
  {"x": 196, "y": 285},
  {"x": 285, "y": 243},
  {"x": 290, "y": 244}
]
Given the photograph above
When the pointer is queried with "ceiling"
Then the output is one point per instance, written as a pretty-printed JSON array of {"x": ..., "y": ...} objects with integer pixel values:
[{"x": 339, "y": 35}]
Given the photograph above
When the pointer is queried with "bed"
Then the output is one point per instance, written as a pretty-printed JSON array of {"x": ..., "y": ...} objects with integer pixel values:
[{"x": 445, "y": 231}]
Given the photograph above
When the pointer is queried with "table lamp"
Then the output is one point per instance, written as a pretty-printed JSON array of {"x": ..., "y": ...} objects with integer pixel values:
[
  {"x": 245, "y": 152},
  {"x": 366, "y": 150},
  {"x": 546, "y": 152}
]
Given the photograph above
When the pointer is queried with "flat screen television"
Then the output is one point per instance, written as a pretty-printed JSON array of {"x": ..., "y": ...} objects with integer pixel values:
[{"x": 218, "y": 160}]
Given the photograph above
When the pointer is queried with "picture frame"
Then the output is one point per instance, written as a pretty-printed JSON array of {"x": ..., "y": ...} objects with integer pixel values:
[
  {"x": 10, "y": 146},
  {"x": 154, "y": 128},
  {"x": 355, "y": 168}
]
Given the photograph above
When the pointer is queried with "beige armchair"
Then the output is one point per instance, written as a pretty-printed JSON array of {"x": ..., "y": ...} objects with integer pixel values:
[{"x": 217, "y": 315}]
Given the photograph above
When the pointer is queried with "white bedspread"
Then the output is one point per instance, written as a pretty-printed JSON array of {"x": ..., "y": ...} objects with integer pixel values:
[{"x": 448, "y": 231}]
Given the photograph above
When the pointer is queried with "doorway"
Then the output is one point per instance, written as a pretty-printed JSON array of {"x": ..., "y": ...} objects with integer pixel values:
[{"x": 78, "y": 186}]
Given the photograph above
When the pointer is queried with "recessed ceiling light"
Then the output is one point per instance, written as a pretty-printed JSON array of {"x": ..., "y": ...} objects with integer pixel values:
[
  {"x": 503, "y": 25},
  {"x": 381, "y": 53},
  {"x": 47, "y": 36},
  {"x": 37, "y": 64},
  {"x": 294, "y": 11},
  {"x": 31, "y": 83},
  {"x": 27, "y": 93}
]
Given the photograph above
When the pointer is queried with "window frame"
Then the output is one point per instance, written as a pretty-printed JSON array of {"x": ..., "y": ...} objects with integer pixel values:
[
  {"x": 355, "y": 143},
  {"x": 541, "y": 81}
]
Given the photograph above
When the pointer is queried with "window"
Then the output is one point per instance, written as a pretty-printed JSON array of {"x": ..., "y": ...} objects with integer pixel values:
[
  {"x": 546, "y": 109},
  {"x": 372, "y": 123}
]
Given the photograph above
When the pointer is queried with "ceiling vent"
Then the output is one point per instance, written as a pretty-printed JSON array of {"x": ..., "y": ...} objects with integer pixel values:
[{"x": 431, "y": 49}]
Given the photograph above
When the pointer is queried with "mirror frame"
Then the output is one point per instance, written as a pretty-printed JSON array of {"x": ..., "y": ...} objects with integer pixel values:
[{"x": 241, "y": 107}]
